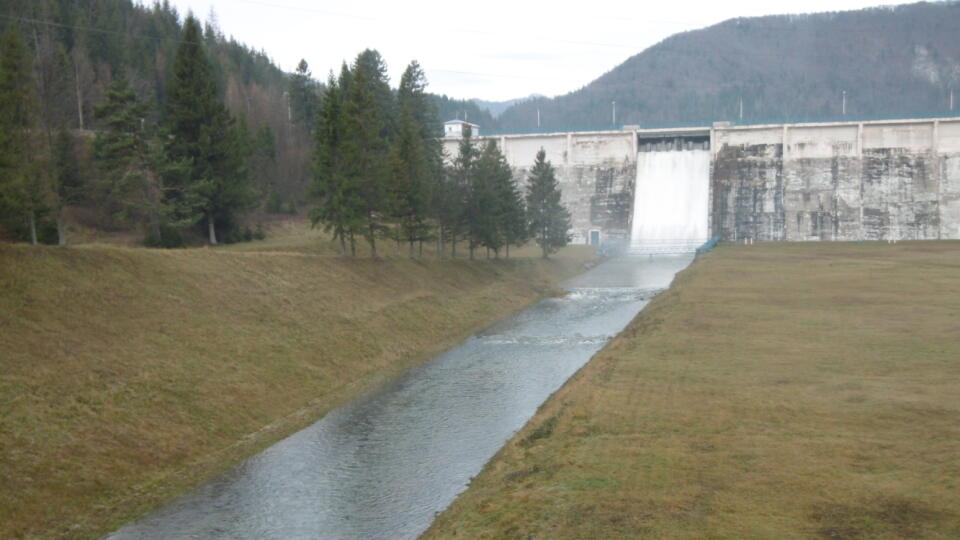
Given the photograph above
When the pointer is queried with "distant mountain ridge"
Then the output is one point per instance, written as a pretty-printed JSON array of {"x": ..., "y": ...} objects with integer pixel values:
[
  {"x": 890, "y": 60},
  {"x": 496, "y": 108}
]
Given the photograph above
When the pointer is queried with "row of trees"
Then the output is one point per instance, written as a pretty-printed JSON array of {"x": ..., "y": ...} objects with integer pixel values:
[
  {"x": 378, "y": 160},
  {"x": 380, "y": 173},
  {"x": 191, "y": 166},
  {"x": 79, "y": 48}
]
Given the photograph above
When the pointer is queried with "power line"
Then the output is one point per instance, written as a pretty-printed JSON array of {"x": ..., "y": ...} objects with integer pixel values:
[{"x": 93, "y": 29}]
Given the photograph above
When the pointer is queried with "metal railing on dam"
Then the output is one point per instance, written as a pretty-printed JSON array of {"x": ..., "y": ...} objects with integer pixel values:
[{"x": 707, "y": 124}]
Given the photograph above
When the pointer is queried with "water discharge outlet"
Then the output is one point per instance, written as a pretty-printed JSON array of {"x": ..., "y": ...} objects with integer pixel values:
[{"x": 670, "y": 203}]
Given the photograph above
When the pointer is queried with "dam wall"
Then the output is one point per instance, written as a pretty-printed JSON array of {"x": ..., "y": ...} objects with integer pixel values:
[
  {"x": 879, "y": 180},
  {"x": 596, "y": 172},
  {"x": 869, "y": 180}
]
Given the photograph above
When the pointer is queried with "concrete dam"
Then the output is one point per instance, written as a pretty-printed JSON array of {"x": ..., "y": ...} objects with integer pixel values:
[{"x": 857, "y": 180}]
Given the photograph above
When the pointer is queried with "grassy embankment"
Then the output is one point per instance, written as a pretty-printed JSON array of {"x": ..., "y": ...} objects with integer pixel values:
[
  {"x": 776, "y": 391},
  {"x": 129, "y": 375}
]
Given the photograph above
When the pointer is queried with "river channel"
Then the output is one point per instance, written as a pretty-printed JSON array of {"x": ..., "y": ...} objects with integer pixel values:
[{"x": 383, "y": 465}]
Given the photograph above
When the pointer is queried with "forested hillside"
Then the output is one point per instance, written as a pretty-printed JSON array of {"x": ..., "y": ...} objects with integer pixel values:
[
  {"x": 117, "y": 116},
  {"x": 75, "y": 51},
  {"x": 496, "y": 108},
  {"x": 80, "y": 47},
  {"x": 464, "y": 109},
  {"x": 898, "y": 60}
]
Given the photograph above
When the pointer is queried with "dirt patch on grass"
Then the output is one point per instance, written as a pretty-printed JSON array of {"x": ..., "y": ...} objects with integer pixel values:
[
  {"x": 898, "y": 517},
  {"x": 542, "y": 431}
]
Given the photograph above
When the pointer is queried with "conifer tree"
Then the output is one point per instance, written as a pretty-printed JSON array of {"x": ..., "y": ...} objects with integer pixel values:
[
  {"x": 262, "y": 157},
  {"x": 368, "y": 132},
  {"x": 441, "y": 200},
  {"x": 337, "y": 194},
  {"x": 121, "y": 152},
  {"x": 511, "y": 215},
  {"x": 548, "y": 219},
  {"x": 516, "y": 232},
  {"x": 454, "y": 214},
  {"x": 22, "y": 187},
  {"x": 414, "y": 158},
  {"x": 212, "y": 181},
  {"x": 484, "y": 209},
  {"x": 304, "y": 100},
  {"x": 68, "y": 181}
]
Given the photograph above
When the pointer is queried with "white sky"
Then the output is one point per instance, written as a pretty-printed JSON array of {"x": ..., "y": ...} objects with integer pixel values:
[{"x": 488, "y": 49}]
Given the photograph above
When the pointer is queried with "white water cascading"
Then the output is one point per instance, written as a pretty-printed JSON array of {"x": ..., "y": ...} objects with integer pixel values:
[{"x": 670, "y": 201}]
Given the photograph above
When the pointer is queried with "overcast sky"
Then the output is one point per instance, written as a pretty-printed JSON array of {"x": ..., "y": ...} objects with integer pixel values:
[{"x": 488, "y": 49}]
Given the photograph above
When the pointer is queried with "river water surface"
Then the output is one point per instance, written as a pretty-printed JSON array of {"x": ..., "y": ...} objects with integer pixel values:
[{"x": 383, "y": 465}]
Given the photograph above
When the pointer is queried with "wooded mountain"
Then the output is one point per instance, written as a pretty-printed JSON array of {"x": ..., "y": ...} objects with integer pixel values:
[
  {"x": 79, "y": 47},
  {"x": 496, "y": 108},
  {"x": 464, "y": 109},
  {"x": 889, "y": 60}
]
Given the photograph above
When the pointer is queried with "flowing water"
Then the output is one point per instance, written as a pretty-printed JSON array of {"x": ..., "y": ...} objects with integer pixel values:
[
  {"x": 670, "y": 201},
  {"x": 382, "y": 466}
]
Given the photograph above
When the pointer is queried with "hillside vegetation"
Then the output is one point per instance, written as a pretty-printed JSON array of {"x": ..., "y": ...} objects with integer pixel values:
[
  {"x": 129, "y": 375},
  {"x": 775, "y": 391},
  {"x": 80, "y": 47},
  {"x": 899, "y": 60}
]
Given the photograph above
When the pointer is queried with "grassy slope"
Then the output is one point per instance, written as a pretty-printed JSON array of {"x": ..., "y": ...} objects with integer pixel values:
[
  {"x": 127, "y": 375},
  {"x": 776, "y": 391}
]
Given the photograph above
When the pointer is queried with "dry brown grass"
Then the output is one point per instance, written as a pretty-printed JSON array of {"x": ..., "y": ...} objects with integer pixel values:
[
  {"x": 129, "y": 375},
  {"x": 776, "y": 391}
]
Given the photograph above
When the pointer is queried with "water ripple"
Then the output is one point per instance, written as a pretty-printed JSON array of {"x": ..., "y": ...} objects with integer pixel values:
[{"x": 383, "y": 465}]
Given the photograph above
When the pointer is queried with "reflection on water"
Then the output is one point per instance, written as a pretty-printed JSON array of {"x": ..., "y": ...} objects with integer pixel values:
[{"x": 385, "y": 464}]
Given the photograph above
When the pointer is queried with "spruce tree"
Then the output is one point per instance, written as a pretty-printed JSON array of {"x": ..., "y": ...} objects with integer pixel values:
[
  {"x": 511, "y": 215},
  {"x": 212, "y": 181},
  {"x": 484, "y": 209},
  {"x": 262, "y": 158},
  {"x": 548, "y": 219},
  {"x": 414, "y": 158},
  {"x": 454, "y": 215},
  {"x": 441, "y": 195},
  {"x": 368, "y": 132},
  {"x": 22, "y": 187},
  {"x": 516, "y": 232},
  {"x": 304, "y": 100},
  {"x": 337, "y": 194},
  {"x": 68, "y": 180},
  {"x": 121, "y": 154}
]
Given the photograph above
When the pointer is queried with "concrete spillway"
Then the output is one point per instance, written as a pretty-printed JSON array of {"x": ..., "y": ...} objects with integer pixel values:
[{"x": 670, "y": 206}]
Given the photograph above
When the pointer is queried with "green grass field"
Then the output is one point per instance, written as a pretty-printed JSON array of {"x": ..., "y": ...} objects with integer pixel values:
[
  {"x": 776, "y": 391},
  {"x": 129, "y": 375}
]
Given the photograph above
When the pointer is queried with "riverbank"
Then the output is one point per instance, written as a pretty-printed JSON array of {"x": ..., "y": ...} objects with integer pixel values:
[
  {"x": 777, "y": 390},
  {"x": 131, "y": 375}
]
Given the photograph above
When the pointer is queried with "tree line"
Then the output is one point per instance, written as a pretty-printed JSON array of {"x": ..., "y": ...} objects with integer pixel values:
[
  {"x": 380, "y": 174},
  {"x": 187, "y": 162},
  {"x": 188, "y": 167},
  {"x": 80, "y": 47}
]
